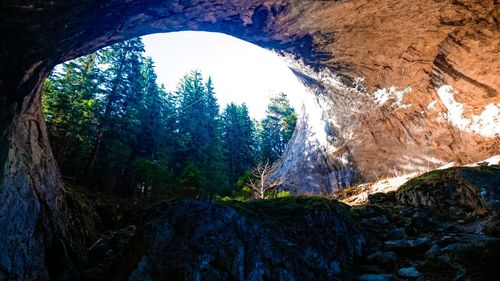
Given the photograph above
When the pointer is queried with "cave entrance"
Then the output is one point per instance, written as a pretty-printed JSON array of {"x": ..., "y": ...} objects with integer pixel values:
[
  {"x": 38, "y": 36},
  {"x": 183, "y": 113}
]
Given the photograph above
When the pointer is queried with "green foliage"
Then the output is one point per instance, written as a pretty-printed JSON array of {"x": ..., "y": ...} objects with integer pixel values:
[
  {"x": 427, "y": 177},
  {"x": 244, "y": 192},
  {"x": 112, "y": 126},
  {"x": 198, "y": 128},
  {"x": 277, "y": 128},
  {"x": 287, "y": 208},
  {"x": 239, "y": 140},
  {"x": 154, "y": 174},
  {"x": 71, "y": 108},
  {"x": 244, "y": 179},
  {"x": 192, "y": 176},
  {"x": 106, "y": 116},
  {"x": 283, "y": 194}
]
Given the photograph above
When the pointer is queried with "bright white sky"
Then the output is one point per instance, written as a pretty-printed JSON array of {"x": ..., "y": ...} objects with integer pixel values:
[{"x": 241, "y": 72}]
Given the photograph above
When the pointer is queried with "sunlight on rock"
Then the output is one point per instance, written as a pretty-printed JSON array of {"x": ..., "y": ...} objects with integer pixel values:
[
  {"x": 381, "y": 96},
  {"x": 486, "y": 124}
]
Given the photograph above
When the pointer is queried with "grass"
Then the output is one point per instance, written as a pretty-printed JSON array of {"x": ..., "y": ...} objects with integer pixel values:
[
  {"x": 287, "y": 207},
  {"x": 436, "y": 176},
  {"x": 433, "y": 176}
]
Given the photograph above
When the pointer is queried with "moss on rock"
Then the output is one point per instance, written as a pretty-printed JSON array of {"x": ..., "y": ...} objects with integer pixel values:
[
  {"x": 294, "y": 238},
  {"x": 454, "y": 193}
]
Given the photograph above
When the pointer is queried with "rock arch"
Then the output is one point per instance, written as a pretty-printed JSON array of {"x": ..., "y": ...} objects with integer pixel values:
[{"x": 422, "y": 46}]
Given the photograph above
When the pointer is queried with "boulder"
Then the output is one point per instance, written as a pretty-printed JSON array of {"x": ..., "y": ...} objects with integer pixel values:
[
  {"x": 454, "y": 193},
  {"x": 281, "y": 239},
  {"x": 409, "y": 272},
  {"x": 438, "y": 268},
  {"x": 492, "y": 225},
  {"x": 382, "y": 198},
  {"x": 409, "y": 247},
  {"x": 397, "y": 233},
  {"x": 380, "y": 257},
  {"x": 375, "y": 277}
]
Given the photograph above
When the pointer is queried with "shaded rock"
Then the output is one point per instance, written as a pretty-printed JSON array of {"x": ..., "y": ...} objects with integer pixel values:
[
  {"x": 282, "y": 239},
  {"x": 487, "y": 181},
  {"x": 375, "y": 277},
  {"x": 453, "y": 247},
  {"x": 378, "y": 221},
  {"x": 492, "y": 226},
  {"x": 438, "y": 268},
  {"x": 382, "y": 198},
  {"x": 411, "y": 247},
  {"x": 447, "y": 240},
  {"x": 454, "y": 193},
  {"x": 397, "y": 233},
  {"x": 421, "y": 222},
  {"x": 480, "y": 261},
  {"x": 432, "y": 251},
  {"x": 409, "y": 272},
  {"x": 382, "y": 257},
  {"x": 104, "y": 255}
]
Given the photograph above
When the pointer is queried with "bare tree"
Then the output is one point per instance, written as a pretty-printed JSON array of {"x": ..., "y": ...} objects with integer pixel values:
[{"x": 263, "y": 179}]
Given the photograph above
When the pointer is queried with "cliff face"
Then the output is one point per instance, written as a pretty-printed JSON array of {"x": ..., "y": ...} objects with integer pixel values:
[
  {"x": 402, "y": 86},
  {"x": 408, "y": 87},
  {"x": 398, "y": 85}
]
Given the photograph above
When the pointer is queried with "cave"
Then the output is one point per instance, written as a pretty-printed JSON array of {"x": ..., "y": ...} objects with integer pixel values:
[{"x": 389, "y": 76}]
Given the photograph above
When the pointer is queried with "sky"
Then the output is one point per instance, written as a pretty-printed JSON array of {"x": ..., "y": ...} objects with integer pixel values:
[{"x": 241, "y": 72}]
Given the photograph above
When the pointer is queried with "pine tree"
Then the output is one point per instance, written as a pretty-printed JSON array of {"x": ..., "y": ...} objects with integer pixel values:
[
  {"x": 238, "y": 134},
  {"x": 107, "y": 110},
  {"x": 70, "y": 107},
  {"x": 155, "y": 141},
  {"x": 277, "y": 128},
  {"x": 198, "y": 126},
  {"x": 123, "y": 87}
]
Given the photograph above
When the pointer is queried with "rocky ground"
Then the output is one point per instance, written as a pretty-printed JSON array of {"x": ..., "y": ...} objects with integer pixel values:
[{"x": 443, "y": 225}]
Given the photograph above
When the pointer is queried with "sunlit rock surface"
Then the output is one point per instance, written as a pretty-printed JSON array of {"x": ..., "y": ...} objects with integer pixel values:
[{"x": 429, "y": 79}]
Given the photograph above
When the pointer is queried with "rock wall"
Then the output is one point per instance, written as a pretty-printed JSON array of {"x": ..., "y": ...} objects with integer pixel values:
[
  {"x": 408, "y": 87},
  {"x": 32, "y": 205},
  {"x": 426, "y": 74}
]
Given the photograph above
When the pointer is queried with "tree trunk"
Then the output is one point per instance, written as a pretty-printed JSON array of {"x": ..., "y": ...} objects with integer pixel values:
[
  {"x": 33, "y": 236},
  {"x": 93, "y": 155},
  {"x": 103, "y": 124}
]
